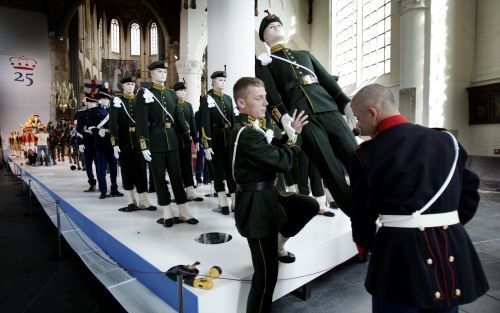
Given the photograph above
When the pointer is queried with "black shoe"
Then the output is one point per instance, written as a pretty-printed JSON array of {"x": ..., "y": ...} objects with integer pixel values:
[
  {"x": 224, "y": 210},
  {"x": 191, "y": 221},
  {"x": 169, "y": 222},
  {"x": 91, "y": 189},
  {"x": 103, "y": 195},
  {"x": 115, "y": 194},
  {"x": 149, "y": 208},
  {"x": 288, "y": 258},
  {"x": 326, "y": 213},
  {"x": 333, "y": 205},
  {"x": 129, "y": 208}
]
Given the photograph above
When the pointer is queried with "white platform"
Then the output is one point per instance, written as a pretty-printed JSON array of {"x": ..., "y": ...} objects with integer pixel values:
[{"x": 146, "y": 249}]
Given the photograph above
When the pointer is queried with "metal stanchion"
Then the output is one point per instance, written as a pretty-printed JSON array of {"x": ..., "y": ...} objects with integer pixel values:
[
  {"x": 179, "y": 291},
  {"x": 58, "y": 230},
  {"x": 29, "y": 198}
]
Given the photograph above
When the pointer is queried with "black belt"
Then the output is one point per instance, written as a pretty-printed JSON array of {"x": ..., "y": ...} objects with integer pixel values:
[
  {"x": 302, "y": 80},
  {"x": 252, "y": 187}
]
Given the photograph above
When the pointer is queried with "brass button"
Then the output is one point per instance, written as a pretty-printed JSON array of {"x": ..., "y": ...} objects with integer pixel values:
[
  {"x": 445, "y": 227},
  {"x": 429, "y": 261},
  {"x": 451, "y": 258},
  {"x": 422, "y": 228},
  {"x": 437, "y": 294},
  {"x": 458, "y": 292}
]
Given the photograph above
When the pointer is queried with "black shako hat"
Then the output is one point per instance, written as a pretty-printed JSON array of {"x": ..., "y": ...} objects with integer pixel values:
[
  {"x": 104, "y": 93},
  {"x": 157, "y": 64},
  {"x": 266, "y": 21},
  {"x": 127, "y": 79},
  {"x": 219, "y": 74},
  {"x": 179, "y": 86}
]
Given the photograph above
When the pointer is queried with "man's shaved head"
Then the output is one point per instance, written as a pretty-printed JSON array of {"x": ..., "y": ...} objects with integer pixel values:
[
  {"x": 375, "y": 95},
  {"x": 371, "y": 105}
]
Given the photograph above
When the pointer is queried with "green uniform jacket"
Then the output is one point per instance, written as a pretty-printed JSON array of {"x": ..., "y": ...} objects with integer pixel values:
[
  {"x": 258, "y": 214},
  {"x": 284, "y": 95},
  {"x": 215, "y": 129},
  {"x": 187, "y": 110},
  {"x": 155, "y": 128},
  {"x": 121, "y": 127}
]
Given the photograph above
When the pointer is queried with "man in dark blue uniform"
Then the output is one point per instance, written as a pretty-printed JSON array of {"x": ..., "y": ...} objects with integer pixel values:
[
  {"x": 413, "y": 178},
  {"x": 86, "y": 142},
  {"x": 99, "y": 126}
]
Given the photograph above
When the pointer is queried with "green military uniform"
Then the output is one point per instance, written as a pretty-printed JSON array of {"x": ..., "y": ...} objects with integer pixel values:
[
  {"x": 123, "y": 135},
  {"x": 185, "y": 155},
  {"x": 327, "y": 139},
  {"x": 217, "y": 120},
  {"x": 156, "y": 131},
  {"x": 261, "y": 210}
]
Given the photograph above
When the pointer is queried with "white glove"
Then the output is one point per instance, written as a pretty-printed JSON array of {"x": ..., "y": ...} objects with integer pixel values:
[
  {"x": 197, "y": 146},
  {"x": 147, "y": 155},
  {"x": 208, "y": 154},
  {"x": 81, "y": 148},
  {"x": 116, "y": 151},
  {"x": 349, "y": 114},
  {"x": 286, "y": 121},
  {"x": 102, "y": 132},
  {"x": 264, "y": 58}
]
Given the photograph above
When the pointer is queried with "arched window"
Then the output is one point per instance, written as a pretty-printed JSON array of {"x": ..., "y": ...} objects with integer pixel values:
[
  {"x": 115, "y": 36},
  {"x": 135, "y": 39},
  {"x": 363, "y": 39},
  {"x": 153, "y": 38}
]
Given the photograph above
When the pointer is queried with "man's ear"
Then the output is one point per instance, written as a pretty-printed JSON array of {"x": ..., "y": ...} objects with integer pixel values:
[
  {"x": 240, "y": 103},
  {"x": 373, "y": 112}
]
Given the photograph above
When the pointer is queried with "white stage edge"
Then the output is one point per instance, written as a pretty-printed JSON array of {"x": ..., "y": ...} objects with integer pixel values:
[{"x": 145, "y": 249}]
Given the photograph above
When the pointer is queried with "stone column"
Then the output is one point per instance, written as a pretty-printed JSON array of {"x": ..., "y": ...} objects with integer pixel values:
[
  {"x": 231, "y": 39},
  {"x": 414, "y": 66},
  {"x": 192, "y": 44}
]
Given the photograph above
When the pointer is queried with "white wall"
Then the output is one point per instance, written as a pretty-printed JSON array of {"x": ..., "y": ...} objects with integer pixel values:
[{"x": 30, "y": 39}]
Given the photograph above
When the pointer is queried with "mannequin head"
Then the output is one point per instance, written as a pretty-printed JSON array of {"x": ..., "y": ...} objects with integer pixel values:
[
  {"x": 180, "y": 89},
  {"x": 128, "y": 88},
  {"x": 271, "y": 30},
  {"x": 105, "y": 103},
  {"x": 219, "y": 80},
  {"x": 158, "y": 71},
  {"x": 106, "y": 85}
]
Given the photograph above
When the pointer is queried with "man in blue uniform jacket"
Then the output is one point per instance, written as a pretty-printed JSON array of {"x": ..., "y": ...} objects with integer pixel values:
[{"x": 414, "y": 179}]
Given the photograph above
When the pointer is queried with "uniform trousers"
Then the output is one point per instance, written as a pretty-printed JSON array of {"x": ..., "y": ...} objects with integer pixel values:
[
  {"x": 222, "y": 169},
  {"x": 380, "y": 305},
  {"x": 329, "y": 143},
  {"x": 106, "y": 156},
  {"x": 133, "y": 169},
  {"x": 299, "y": 210},
  {"x": 186, "y": 160},
  {"x": 167, "y": 161},
  {"x": 89, "y": 156},
  {"x": 201, "y": 166},
  {"x": 309, "y": 174}
]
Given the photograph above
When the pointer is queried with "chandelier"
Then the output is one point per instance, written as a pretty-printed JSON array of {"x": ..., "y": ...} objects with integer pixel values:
[{"x": 63, "y": 96}]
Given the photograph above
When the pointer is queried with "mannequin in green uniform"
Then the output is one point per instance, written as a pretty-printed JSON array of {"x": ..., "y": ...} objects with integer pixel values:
[
  {"x": 157, "y": 118},
  {"x": 263, "y": 214},
  {"x": 296, "y": 80},
  {"x": 126, "y": 147},
  {"x": 185, "y": 155},
  {"x": 217, "y": 120}
]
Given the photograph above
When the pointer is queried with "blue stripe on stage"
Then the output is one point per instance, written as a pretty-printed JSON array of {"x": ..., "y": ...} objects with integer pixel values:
[{"x": 159, "y": 284}]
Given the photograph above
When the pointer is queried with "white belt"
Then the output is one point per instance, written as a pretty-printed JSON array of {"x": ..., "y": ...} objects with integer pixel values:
[{"x": 418, "y": 221}]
